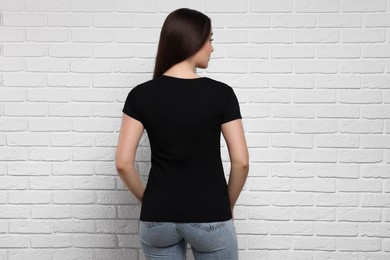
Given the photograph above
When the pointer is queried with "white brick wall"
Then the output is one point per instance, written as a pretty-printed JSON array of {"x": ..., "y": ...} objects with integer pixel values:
[{"x": 313, "y": 80}]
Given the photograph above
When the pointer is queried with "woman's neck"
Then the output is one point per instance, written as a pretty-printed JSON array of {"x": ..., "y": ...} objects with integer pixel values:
[{"x": 184, "y": 69}]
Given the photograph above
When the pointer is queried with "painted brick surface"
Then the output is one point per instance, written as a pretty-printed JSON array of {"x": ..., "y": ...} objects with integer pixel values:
[{"x": 313, "y": 81}]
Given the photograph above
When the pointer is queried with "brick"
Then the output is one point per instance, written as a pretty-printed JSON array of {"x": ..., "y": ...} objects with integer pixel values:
[
  {"x": 11, "y": 94},
  {"x": 352, "y": 35},
  {"x": 91, "y": 66},
  {"x": 130, "y": 6},
  {"x": 51, "y": 183},
  {"x": 47, "y": 65},
  {"x": 106, "y": 140},
  {"x": 376, "y": 171},
  {"x": 24, "y": 19},
  {"x": 137, "y": 35},
  {"x": 13, "y": 124},
  {"x": 363, "y": 6},
  {"x": 68, "y": 20},
  {"x": 292, "y": 141},
  {"x": 269, "y": 243},
  {"x": 375, "y": 81},
  {"x": 31, "y": 227},
  {"x": 13, "y": 183},
  {"x": 114, "y": 20},
  {"x": 313, "y": 214},
  {"x": 337, "y": 200},
  {"x": 286, "y": 254},
  {"x": 48, "y": 95},
  {"x": 337, "y": 255},
  {"x": 70, "y": 110},
  {"x": 14, "y": 212},
  {"x": 47, "y": 35},
  {"x": 375, "y": 230},
  {"x": 70, "y": 51},
  {"x": 49, "y": 125},
  {"x": 307, "y": 6},
  {"x": 291, "y": 51},
  {"x": 11, "y": 35},
  {"x": 51, "y": 241},
  {"x": 74, "y": 226},
  {"x": 25, "y": 109},
  {"x": 269, "y": 213},
  {"x": 293, "y": 111},
  {"x": 375, "y": 112},
  {"x": 229, "y": 6},
  {"x": 139, "y": 66},
  {"x": 359, "y": 245},
  {"x": 92, "y": 5},
  {"x": 99, "y": 154},
  {"x": 93, "y": 95},
  {"x": 69, "y": 80},
  {"x": 47, "y": 5},
  {"x": 376, "y": 20},
  {"x": 73, "y": 197},
  {"x": 360, "y": 156},
  {"x": 129, "y": 212},
  {"x": 71, "y": 139},
  {"x": 271, "y": 36},
  {"x": 28, "y": 254},
  {"x": 314, "y": 243},
  {"x": 269, "y": 184},
  {"x": 114, "y": 51},
  {"x": 318, "y": 36},
  {"x": 14, "y": 241},
  {"x": 375, "y": 200},
  {"x": 359, "y": 215},
  {"x": 11, "y": 65},
  {"x": 94, "y": 212},
  {"x": 248, "y": 21},
  {"x": 314, "y": 185},
  {"x": 337, "y": 82},
  {"x": 16, "y": 5},
  {"x": 117, "y": 81},
  {"x": 375, "y": 141},
  {"x": 95, "y": 183},
  {"x": 72, "y": 254},
  {"x": 117, "y": 226},
  {"x": 236, "y": 51},
  {"x": 315, "y": 66},
  {"x": 340, "y": 20},
  {"x": 294, "y": 21},
  {"x": 292, "y": 199},
  {"x": 361, "y": 126},
  {"x": 27, "y": 139},
  {"x": 92, "y": 35},
  {"x": 271, "y": 155},
  {"x": 24, "y": 80},
  {"x": 51, "y": 212},
  {"x": 13, "y": 154},
  {"x": 50, "y": 154},
  {"x": 115, "y": 197},
  {"x": 270, "y": 66},
  {"x": 72, "y": 168},
  {"x": 338, "y": 51},
  {"x": 251, "y": 227},
  {"x": 336, "y": 229},
  {"x": 337, "y": 141},
  {"x": 120, "y": 254},
  {"x": 359, "y": 185},
  {"x": 29, "y": 197},
  {"x": 320, "y": 156},
  {"x": 28, "y": 168},
  {"x": 291, "y": 170},
  {"x": 362, "y": 66},
  {"x": 288, "y": 229}
]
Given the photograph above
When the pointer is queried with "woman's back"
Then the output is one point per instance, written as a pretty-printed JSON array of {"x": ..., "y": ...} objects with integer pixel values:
[{"x": 183, "y": 120}]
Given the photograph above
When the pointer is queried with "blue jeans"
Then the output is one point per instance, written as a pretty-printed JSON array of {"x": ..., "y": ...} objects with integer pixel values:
[{"x": 209, "y": 241}]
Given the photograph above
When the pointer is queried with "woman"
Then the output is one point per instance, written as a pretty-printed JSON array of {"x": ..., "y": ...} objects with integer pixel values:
[{"x": 186, "y": 198}]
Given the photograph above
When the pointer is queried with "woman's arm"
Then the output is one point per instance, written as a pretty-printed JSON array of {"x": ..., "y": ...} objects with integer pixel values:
[
  {"x": 233, "y": 133},
  {"x": 129, "y": 136}
]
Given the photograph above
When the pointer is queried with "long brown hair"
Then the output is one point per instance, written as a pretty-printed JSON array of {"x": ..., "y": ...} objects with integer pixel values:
[{"x": 183, "y": 33}]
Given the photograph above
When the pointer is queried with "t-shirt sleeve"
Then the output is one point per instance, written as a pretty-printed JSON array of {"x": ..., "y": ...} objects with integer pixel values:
[
  {"x": 231, "y": 111},
  {"x": 130, "y": 108}
]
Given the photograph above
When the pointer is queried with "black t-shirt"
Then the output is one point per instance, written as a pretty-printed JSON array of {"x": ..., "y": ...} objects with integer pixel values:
[{"x": 183, "y": 118}]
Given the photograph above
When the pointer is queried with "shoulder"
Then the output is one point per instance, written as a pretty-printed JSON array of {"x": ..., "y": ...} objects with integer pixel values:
[{"x": 220, "y": 86}]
